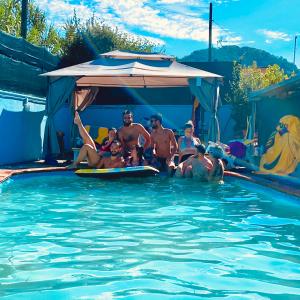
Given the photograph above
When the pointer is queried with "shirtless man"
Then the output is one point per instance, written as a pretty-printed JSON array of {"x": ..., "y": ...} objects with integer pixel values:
[
  {"x": 197, "y": 166},
  {"x": 163, "y": 143},
  {"x": 130, "y": 132},
  {"x": 115, "y": 160},
  {"x": 89, "y": 151}
]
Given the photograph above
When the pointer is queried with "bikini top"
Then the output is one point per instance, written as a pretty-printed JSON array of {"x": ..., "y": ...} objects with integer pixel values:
[{"x": 188, "y": 143}]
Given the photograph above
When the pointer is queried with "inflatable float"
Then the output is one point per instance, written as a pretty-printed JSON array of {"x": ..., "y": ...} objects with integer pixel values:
[{"x": 140, "y": 171}]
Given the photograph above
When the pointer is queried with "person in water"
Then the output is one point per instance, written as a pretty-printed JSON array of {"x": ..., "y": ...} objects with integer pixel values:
[
  {"x": 163, "y": 143},
  {"x": 187, "y": 143},
  {"x": 130, "y": 132},
  {"x": 197, "y": 166},
  {"x": 216, "y": 173},
  {"x": 136, "y": 157},
  {"x": 89, "y": 150},
  {"x": 115, "y": 160}
]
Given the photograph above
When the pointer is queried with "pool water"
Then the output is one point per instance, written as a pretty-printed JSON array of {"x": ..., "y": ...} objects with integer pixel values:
[{"x": 65, "y": 237}]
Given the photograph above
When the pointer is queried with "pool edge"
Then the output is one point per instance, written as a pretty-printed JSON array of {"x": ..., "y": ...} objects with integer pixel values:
[{"x": 6, "y": 174}]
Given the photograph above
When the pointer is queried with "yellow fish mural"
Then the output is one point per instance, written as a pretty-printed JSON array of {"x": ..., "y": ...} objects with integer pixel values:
[{"x": 283, "y": 148}]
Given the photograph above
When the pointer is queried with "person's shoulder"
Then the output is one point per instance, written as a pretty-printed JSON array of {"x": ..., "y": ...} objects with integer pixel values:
[
  {"x": 168, "y": 130},
  {"x": 138, "y": 125}
]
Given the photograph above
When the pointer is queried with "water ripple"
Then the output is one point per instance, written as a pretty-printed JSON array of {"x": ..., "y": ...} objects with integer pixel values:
[{"x": 62, "y": 237}]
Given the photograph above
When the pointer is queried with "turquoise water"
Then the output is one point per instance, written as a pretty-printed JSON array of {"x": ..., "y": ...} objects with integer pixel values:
[{"x": 64, "y": 237}]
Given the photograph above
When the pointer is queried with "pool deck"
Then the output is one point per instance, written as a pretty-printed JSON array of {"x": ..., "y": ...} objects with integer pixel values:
[
  {"x": 262, "y": 179},
  {"x": 32, "y": 167}
]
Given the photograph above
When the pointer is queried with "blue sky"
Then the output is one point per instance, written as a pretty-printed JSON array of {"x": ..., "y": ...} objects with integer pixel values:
[{"x": 181, "y": 26}]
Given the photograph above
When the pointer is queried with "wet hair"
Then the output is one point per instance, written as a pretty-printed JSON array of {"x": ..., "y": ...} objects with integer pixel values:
[
  {"x": 216, "y": 151},
  {"x": 189, "y": 124},
  {"x": 139, "y": 151},
  {"x": 117, "y": 142},
  {"x": 127, "y": 112},
  {"x": 157, "y": 117},
  {"x": 200, "y": 148}
]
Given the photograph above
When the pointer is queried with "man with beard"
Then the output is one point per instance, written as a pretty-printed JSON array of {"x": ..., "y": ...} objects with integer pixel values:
[
  {"x": 163, "y": 143},
  {"x": 129, "y": 134},
  {"x": 116, "y": 159},
  {"x": 89, "y": 151}
]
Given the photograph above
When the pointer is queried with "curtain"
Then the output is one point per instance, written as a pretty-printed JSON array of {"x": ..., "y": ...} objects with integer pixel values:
[
  {"x": 251, "y": 123},
  {"x": 209, "y": 97},
  {"x": 84, "y": 97},
  {"x": 60, "y": 91},
  {"x": 196, "y": 115}
]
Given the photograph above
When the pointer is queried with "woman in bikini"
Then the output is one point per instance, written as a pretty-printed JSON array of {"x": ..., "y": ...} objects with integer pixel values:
[{"x": 187, "y": 143}]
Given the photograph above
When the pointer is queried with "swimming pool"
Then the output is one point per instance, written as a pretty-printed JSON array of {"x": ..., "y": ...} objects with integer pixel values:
[{"x": 65, "y": 237}]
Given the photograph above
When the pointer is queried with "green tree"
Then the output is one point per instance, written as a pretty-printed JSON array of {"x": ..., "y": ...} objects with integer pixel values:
[
  {"x": 83, "y": 41},
  {"x": 237, "y": 97},
  {"x": 244, "y": 81},
  {"x": 39, "y": 32},
  {"x": 254, "y": 78}
]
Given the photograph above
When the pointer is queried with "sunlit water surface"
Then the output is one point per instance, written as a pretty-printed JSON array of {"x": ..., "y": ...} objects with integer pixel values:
[{"x": 64, "y": 237}]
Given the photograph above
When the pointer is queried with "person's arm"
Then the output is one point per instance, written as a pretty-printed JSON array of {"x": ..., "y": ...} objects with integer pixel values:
[
  {"x": 120, "y": 138},
  {"x": 120, "y": 163},
  {"x": 145, "y": 134},
  {"x": 174, "y": 146},
  {"x": 100, "y": 164},
  {"x": 212, "y": 172},
  {"x": 152, "y": 144},
  {"x": 198, "y": 140},
  {"x": 186, "y": 163},
  {"x": 179, "y": 146}
]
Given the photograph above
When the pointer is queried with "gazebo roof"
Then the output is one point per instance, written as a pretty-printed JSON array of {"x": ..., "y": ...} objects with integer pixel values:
[
  {"x": 120, "y": 69},
  {"x": 136, "y": 55}
]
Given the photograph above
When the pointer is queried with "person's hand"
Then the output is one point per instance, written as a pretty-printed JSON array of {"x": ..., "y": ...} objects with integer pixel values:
[
  {"x": 77, "y": 120},
  {"x": 169, "y": 159}
]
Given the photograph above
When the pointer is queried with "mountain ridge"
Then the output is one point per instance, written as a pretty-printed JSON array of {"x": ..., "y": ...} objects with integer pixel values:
[{"x": 245, "y": 55}]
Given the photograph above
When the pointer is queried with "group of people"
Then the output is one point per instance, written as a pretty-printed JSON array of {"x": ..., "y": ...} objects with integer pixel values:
[{"x": 133, "y": 145}]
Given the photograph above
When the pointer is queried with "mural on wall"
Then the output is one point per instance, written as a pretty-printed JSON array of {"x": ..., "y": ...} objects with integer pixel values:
[{"x": 282, "y": 154}]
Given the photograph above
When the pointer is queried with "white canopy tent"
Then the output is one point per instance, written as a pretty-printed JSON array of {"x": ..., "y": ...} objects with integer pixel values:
[
  {"x": 128, "y": 69},
  {"x": 136, "y": 72}
]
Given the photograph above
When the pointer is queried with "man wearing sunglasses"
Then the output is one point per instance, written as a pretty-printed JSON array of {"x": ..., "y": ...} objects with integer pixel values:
[
  {"x": 163, "y": 143},
  {"x": 130, "y": 132}
]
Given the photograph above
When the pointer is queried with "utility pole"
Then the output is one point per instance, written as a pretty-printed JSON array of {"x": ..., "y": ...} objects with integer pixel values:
[
  {"x": 295, "y": 47},
  {"x": 210, "y": 32},
  {"x": 24, "y": 16}
]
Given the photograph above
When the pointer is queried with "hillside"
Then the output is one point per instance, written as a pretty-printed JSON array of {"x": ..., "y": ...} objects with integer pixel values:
[{"x": 245, "y": 55}]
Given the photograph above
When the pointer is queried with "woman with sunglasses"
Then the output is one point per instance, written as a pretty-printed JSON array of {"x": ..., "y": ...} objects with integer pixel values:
[{"x": 187, "y": 143}]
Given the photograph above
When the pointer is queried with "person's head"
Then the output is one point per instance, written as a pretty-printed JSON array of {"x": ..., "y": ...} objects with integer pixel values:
[
  {"x": 112, "y": 133},
  {"x": 215, "y": 152},
  {"x": 127, "y": 117},
  {"x": 156, "y": 120},
  {"x": 200, "y": 149},
  {"x": 189, "y": 129},
  {"x": 115, "y": 148},
  {"x": 137, "y": 152}
]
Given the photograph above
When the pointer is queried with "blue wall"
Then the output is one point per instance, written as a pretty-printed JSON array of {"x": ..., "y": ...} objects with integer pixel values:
[
  {"x": 21, "y": 130},
  {"x": 111, "y": 116}
]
